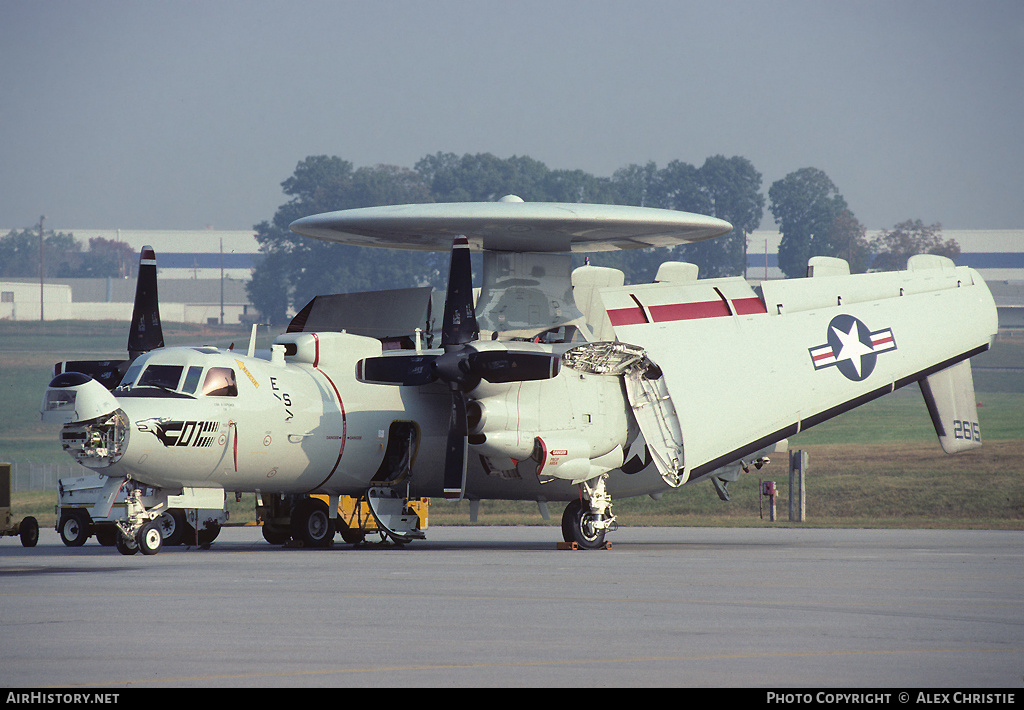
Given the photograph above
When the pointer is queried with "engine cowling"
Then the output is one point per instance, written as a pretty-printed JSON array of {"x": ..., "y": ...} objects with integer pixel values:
[{"x": 573, "y": 428}]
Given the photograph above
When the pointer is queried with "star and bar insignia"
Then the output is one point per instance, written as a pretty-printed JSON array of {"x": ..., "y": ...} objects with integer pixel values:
[{"x": 852, "y": 347}]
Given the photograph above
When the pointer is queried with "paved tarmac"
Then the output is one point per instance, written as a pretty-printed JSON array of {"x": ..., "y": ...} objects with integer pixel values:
[{"x": 483, "y": 606}]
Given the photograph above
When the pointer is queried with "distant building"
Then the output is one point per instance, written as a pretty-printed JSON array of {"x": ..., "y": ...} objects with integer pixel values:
[
  {"x": 181, "y": 300},
  {"x": 188, "y": 254},
  {"x": 190, "y": 266},
  {"x": 192, "y": 263},
  {"x": 997, "y": 254}
]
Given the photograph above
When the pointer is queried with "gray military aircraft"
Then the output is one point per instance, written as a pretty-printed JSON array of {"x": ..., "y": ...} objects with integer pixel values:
[{"x": 555, "y": 385}]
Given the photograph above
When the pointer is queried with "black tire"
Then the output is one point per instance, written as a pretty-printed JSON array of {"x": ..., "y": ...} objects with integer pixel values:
[
  {"x": 107, "y": 535},
  {"x": 125, "y": 547},
  {"x": 209, "y": 533},
  {"x": 172, "y": 527},
  {"x": 576, "y": 527},
  {"x": 73, "y": 529},
  {"x": 276, "y": 535},
  {"x": 311, "y": 523},
  {"x": 150, "y": 538},
  {"x": 28, "y": 531},
  {"x": 352, "y": 536}
]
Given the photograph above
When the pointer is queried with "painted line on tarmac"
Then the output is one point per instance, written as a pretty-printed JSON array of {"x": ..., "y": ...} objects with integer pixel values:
[{"x": 526, "y": 664}]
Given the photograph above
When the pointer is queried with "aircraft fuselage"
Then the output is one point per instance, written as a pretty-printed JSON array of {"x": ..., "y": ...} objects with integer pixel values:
[{"x": 301, "y": 423}]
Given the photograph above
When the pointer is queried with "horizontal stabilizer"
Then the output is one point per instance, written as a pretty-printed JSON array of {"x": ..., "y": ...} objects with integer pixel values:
[
  {"x": 107, "y": 372},
  {"x": 375, "y": 314},
  {"x": 949, "y": 395}
]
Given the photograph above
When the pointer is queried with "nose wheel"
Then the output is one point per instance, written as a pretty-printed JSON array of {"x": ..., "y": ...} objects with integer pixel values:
[
  {"x": 150, "y": 539},
  {"x": 142, "y": 528}
]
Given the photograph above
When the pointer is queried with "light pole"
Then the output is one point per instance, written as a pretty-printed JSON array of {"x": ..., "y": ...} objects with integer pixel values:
[{"x": 41, "y": 218}]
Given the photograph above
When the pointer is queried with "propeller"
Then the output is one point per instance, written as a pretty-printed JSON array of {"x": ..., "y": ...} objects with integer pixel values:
[
  {"x": 144, "y": 334},
  {"x": 461, "y": 365}
]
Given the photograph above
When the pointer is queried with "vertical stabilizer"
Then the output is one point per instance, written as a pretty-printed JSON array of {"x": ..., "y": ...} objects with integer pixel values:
[
  {"x": 949, "y": 395},
  {"x": 146, "y": 333}
]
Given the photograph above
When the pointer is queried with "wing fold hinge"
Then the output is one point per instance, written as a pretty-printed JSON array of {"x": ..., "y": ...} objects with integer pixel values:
[{"x": 648, "y": 395}]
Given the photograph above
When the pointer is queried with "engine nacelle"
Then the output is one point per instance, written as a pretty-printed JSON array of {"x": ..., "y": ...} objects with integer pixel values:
[
  {"x": 568, "y": 458},
  {"x": 573, "y": 427},
  {"x": 502, "y": 444}
]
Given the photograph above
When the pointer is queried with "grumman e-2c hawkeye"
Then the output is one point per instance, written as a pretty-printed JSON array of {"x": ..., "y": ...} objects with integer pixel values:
[{"x": 554, "y": 387}]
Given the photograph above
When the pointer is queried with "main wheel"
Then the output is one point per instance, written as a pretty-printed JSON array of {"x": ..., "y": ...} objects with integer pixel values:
[
  {"x": 311, "y": 523},
  {"x": 578, "y": 527},
  {"x": 150, "y": 539},
  {"x": 74, "y": 530},
  {"x": 28, "y": 531}
]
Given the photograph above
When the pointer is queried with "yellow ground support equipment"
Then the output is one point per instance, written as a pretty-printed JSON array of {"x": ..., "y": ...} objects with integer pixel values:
[
  {"x": 28, "y": 528},
  {"x": 304, "y": 520}
]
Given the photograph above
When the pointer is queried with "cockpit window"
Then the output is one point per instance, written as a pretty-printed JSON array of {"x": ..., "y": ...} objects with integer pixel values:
[
  {"x": 158, "y": 381},
  {"x": 220, "y": 382},
  {"x": 129, "y": 377},
  {"x": 192, "y": 379},
  {"x": 166, "y": 376}
]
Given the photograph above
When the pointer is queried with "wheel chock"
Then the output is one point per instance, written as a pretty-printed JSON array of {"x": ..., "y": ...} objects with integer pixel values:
[{"x": 576, "y": 546}]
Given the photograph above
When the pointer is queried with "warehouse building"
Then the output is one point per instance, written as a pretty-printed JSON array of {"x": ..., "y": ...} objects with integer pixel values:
[{"x": 203, "y": 273}]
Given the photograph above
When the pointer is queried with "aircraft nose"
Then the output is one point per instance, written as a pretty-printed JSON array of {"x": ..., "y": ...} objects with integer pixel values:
[
  {"x": 95, "y": 431},
  {"x": 75, "y": 397}
]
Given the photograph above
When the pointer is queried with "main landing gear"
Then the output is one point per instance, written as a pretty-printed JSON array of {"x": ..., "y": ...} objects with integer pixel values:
[{"x": 585, "y": 521}]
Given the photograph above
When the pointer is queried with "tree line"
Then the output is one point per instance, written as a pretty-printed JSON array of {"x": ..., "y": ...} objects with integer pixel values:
[
  {"x": 64, "y": 256},
  {"x": 813, "y": 218}
]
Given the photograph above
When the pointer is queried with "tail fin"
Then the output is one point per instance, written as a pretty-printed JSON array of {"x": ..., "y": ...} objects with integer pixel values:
[
  {"x": 949, "y": 395},
  {"x": 146, "y": 333}
]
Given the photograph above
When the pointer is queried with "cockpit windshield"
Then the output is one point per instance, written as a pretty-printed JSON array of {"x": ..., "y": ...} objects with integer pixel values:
[
  {"x": 164, "y": 376},
  {"x": 177, "y": 381}
]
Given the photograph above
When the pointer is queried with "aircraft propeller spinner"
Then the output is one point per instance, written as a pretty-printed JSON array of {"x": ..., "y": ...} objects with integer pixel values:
[{"x": 463, "y": 363}]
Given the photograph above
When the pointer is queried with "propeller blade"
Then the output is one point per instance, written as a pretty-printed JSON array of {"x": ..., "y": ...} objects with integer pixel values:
[
  {"x": 459, "y": 325},
  {"x": 146, "y": 333},
  {"x": 406, "y": 370},
  {"x": 455, "y": 451},
  {"x": 502, "y": 366}
]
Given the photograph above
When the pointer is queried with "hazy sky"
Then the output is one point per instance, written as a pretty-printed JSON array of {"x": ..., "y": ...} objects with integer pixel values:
[{"x": 184, "y": 114}]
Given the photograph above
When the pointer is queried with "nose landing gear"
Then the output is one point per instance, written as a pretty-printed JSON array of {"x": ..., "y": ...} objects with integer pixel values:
[{"x": 585, "y": 522}]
